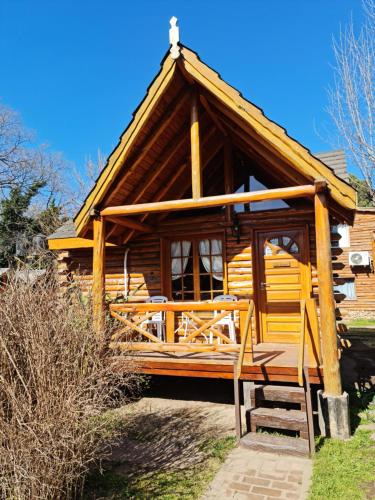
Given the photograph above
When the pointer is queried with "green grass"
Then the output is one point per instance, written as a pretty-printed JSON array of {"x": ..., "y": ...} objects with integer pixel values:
[
  {"x": 357, "y": 323},
  {"x": 344, "y": 470},
  {"x": 188, "y": 483}
]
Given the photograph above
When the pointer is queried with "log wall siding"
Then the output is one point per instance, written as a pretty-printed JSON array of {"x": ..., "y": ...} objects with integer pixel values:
[
  {"x": 144, "y": 257},
  {"x": 144, "y": 273},
  {"x": 361, "y": 239}
]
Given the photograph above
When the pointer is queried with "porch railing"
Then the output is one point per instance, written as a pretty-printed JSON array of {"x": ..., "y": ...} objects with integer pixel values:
[{"x": 189, "y": 326}]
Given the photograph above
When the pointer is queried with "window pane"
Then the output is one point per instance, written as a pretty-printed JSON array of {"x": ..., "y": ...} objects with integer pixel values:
[
  {"x": 347, "y": 288},
  {"x": 205, "y": 282},
  {"x": 218, "y": 281}
]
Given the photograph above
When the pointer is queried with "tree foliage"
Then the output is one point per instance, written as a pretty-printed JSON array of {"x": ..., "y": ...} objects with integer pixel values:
[
  {"x": 32, "y": 190},
  {"x": 365, "y": 198}
]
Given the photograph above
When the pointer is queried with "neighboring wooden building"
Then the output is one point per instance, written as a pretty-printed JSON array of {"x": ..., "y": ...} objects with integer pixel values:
[
  {"x": 354, "y": 284},
  {"x": 205, "y": 196}
]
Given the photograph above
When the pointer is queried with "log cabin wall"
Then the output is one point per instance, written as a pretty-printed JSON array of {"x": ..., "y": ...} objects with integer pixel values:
[
  {"x": 145, "y": 273},
  {"x": 361, "y": 238}
]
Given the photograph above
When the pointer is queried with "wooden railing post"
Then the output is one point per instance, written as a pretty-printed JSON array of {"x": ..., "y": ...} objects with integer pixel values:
[
  {"x": 98, "y": 276},
  {"x": 169, "y": 326},
  {"x": 331, "y": 367},
  {"x": 196, "y": 173}
]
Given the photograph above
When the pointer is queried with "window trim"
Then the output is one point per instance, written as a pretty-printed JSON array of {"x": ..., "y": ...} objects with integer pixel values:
[{"x": 165, "y": 258}]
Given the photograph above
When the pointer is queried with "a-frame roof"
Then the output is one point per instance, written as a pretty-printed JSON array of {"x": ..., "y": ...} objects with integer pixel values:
[{"x": 165, "y": 108}]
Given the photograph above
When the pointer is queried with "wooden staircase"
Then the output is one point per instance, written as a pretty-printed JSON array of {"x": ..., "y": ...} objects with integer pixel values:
[{"x": 278, "y": 408}]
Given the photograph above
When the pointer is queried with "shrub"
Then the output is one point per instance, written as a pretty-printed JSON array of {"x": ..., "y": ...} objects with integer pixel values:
[{"x": 55, "y": 381}]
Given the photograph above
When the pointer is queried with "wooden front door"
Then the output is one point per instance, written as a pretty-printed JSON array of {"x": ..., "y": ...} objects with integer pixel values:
[{"x": 283, "y": 280}]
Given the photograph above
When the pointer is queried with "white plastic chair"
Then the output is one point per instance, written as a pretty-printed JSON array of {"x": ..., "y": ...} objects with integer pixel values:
[
  {"x": 157, "y": 320},
  {"x": 229, "y": 320}
]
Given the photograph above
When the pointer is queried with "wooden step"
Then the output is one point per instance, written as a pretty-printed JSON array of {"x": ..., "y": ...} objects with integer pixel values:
[
  {"x": 279, "y": 393},
  {"x": 283, "y": 445},
  {"x": 278, "y": 418}
]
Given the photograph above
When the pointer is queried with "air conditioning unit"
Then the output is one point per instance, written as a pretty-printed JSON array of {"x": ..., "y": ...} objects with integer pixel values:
[{"x": 359, "y": 258}]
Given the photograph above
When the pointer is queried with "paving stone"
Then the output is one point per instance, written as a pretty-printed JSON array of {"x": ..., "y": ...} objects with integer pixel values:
[
  {"x": 239, "y": 487},
  {"x": 266, "y": 491},
  {"x": 252, "y": 475},
  {"x": 256, "y": 480},
  {"x": 284, "y": 486}
]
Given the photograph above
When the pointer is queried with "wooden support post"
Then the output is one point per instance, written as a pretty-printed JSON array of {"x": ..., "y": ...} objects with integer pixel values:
[
  {"x": 228, "y": 176},
  {"x": 98, "y": 276},
  {"x": 331, "y": 367},
  {"x": 196, "y": 173}
]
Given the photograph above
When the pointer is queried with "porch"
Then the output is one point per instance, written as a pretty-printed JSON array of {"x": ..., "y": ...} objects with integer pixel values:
[{"x": 194, "y": 343}]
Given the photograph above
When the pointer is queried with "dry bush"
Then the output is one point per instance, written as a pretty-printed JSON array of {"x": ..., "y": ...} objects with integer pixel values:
[{"x": 55, "y": 381}]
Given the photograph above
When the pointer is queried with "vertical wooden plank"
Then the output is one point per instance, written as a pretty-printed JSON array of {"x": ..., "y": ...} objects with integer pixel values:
[
  {"x": 98, "y": 276},
  {"x": 228, "y": 176},
  {"x": 237, "y": 404},
  {"x": 243, "y": 315},
  {"x": 170, "y": 326},
  {"x": 196, "y": 173},
  {"x": 332, "y": 379}
]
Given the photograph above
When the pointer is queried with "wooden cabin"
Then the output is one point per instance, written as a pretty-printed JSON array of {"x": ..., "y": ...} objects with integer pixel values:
[{"x": 205, "y": 196}]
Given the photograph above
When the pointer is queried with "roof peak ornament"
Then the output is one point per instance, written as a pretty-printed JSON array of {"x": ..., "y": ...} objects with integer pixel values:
[{"x": 174, "y": 38}]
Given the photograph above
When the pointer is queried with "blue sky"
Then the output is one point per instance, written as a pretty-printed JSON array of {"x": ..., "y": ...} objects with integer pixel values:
[{"x": 76, "y": 69}]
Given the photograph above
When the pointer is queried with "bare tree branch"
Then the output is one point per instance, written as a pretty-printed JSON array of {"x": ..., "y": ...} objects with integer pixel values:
[{"x": 352, "y": 99}]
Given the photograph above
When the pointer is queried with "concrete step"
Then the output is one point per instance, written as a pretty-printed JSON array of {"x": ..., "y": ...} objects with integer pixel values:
[{"x": 283, "y": 445}]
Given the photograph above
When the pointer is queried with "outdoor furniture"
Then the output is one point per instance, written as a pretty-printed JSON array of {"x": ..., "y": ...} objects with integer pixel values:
[
  {"x": 229, "y": 320},
  {"x": 157, "y": 320}
]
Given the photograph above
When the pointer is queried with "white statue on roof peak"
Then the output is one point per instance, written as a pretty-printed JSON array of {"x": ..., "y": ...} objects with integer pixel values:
[{"x": 174, "y": 38}]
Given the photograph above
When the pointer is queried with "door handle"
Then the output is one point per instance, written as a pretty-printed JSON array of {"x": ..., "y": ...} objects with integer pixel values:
[{"x": 263, "y": 285}]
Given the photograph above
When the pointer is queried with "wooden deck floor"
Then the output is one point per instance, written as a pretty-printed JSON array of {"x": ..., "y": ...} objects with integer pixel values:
[{"x": 272, "y": 362}]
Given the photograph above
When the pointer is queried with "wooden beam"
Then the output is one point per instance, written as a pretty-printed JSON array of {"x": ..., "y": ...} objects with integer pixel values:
[
  {"x": 131, "y": 223},
  {"x": 167, "y": 157},
  {"x": 172, "y": 181},
  {"x": 163, "y": 124},
  {"x": 214, "y": 117},
  {"x": 228, "y": 176},
  {"x": 196, "y": 174},
  {"x": 68, "y": 243},
  {"x": 98, "y": 276},
  {"x": 211, "y": 201},
  {"x": 162, "y": 193},
  {"x": 121, "y": 152},
  {"x": 332, "y": 379}
]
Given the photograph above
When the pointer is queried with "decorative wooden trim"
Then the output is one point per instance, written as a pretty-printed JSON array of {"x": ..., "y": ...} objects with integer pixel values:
[
  {"x": 119, "y": 154},
  {"x": 212, "y": 201},
  {"x": 252, "y": 117}
]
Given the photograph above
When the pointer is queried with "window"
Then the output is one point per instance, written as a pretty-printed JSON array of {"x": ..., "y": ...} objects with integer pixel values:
[
  {"x": 250, "y": 184},
  {"x": 280, "y": 245},
  {"x": 343, "y": 231},
  {"x": 197, "y": 269},
  {"x": 347, "y": 288}
]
